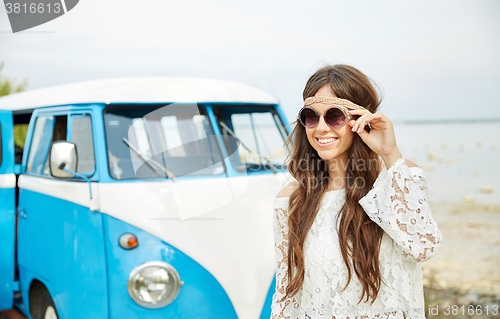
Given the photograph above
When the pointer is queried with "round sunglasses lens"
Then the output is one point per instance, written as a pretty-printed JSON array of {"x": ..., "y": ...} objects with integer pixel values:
[
  {"x": 309, "y": 118},
  {"x": 335, "y": 118}
]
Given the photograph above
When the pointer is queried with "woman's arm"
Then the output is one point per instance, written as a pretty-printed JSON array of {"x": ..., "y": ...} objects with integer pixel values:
[
  {"x": 282, "y": 307},
  {"x": 398, "y": 202}
]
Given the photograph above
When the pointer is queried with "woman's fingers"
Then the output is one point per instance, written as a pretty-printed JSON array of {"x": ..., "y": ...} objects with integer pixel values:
[
  {"x": 374, "y": 119},
  {"x": 366, "y": 114},
  {"x": 379, "y": 121},
  {"x": 360, "y": 113},
  {"x": 365, "y": 122}
]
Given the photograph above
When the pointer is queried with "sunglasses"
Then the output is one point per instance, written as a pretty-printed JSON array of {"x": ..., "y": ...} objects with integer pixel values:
[{"x": 336, "y": 116}]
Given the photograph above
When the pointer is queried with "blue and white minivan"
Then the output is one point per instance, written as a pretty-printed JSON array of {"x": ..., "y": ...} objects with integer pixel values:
[{"x": 139, "y": 198}]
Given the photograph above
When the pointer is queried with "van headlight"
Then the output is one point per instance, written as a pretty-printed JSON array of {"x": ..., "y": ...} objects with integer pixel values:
[{"x": 154, "y": 284}]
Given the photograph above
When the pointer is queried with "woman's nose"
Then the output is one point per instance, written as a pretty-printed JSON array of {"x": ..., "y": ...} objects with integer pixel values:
[{"x": 322, "y": 126}]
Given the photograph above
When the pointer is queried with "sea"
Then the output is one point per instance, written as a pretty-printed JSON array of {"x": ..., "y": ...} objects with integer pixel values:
[{"x": 460, "y": 159}]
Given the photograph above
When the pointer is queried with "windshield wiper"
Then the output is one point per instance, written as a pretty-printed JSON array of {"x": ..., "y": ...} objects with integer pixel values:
[
  {"x": 151, "y": 162},
  {"x": 227, "y": 129}
]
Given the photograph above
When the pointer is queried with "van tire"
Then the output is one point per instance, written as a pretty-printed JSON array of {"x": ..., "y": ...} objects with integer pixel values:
[{"x": 41, "y": 304}]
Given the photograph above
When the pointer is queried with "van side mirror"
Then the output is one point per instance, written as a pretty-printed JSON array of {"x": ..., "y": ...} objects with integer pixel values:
[{"x": 62, "y": 155}]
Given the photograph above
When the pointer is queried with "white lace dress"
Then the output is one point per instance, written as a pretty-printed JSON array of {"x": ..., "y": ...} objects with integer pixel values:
[{"x": 398, "y": 203}]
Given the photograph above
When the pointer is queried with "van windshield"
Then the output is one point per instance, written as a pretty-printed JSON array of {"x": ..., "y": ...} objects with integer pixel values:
[
  {"x": 253, "y": 135},
  {"x": 176, "y": 136}
]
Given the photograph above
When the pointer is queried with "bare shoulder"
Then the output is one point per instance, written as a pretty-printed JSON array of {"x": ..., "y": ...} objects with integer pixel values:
[
  {"x": 408, "y": 163},
  {"x": 288, "y": 189}
]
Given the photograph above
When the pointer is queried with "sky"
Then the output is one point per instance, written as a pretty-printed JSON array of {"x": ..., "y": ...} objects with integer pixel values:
[{"x": 431, "y": 59}]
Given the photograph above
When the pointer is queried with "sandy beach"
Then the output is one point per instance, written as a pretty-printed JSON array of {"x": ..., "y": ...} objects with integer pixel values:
[
  {"x": 465, "y": 271},
  {"x": 469, "y": 257}
]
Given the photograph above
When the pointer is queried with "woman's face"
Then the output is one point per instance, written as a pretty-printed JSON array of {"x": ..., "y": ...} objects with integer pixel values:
[{"x": 328, "y": 142}]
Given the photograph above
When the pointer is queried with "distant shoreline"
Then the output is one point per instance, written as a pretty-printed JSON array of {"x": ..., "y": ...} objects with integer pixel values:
[{"x": 447, "y": 121}]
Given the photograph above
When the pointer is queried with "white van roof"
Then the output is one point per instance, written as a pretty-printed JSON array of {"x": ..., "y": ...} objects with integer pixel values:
[{"x": 138, "y": 90}]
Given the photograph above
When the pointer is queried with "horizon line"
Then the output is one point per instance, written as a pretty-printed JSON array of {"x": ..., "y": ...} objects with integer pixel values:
[{"x": 446, "y": 121}]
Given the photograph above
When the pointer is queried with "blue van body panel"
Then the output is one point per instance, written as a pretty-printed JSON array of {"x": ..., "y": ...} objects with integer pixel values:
[
  {"x": 7, "y": 125},
  {"x": 25, "y": 283},
  {"x": 63, "y": 243},
  {"x": 7, "y": 254},
  {"x": 201, "y": 296},
  {"x": 7, "y": 212},
  {"x": 101, "y": 156}
]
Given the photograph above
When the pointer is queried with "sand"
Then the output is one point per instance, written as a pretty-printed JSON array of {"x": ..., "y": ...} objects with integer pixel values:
[{"x": 466, "y": 269}]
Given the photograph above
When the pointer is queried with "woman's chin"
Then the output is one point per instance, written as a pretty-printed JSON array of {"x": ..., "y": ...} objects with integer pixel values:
[
  {"x": 331, "y": 155},
  {"x": 328, "y": 155}
]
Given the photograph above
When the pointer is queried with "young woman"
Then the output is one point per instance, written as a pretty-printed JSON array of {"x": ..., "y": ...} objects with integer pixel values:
[{"x": 353, "y": 225}]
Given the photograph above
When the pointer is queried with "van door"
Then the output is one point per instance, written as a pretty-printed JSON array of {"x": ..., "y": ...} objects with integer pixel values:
[
  {"x": 7, "y": 210},
  {"x": 60, "y": 238}
]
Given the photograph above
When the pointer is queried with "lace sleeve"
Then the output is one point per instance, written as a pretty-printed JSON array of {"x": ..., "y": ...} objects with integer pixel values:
[
  {"x": 288, "y": 307},
  {"x": 399, "y": 204}
]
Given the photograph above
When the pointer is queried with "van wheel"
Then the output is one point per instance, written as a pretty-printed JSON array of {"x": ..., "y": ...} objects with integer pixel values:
[{"x": 41, "y": 304}]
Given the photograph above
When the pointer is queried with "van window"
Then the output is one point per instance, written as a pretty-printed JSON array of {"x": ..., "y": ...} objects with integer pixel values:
[
  {"x": 20, "y": 131},
  {"x": 21, "y": 124},
  {"x": 177, "y": 136},
  {"x": 48, "y": 129},
  {"x": 254, "y": 137},
  {"x": 81, "y": 135}
]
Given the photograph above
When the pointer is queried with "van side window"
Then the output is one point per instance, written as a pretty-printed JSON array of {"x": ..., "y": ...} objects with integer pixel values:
[
  {"x": 48, "y": 129},
  {"x": 81, "y": 135},
  {"x": 21, "y": 124}
]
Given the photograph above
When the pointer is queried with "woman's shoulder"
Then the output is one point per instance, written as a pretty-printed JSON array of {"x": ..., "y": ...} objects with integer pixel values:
[
  {"x": 282, "y": 200},
  {"x": 409, "y": 163},
  {"x": 288, "y": 189}
]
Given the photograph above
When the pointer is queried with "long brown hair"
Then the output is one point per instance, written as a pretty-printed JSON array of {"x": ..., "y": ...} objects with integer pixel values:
[{"x": 359, "y": 237}]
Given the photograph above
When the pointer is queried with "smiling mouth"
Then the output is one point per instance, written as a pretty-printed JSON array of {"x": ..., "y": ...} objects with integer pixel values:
[{"x": 326, "y": 141}]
